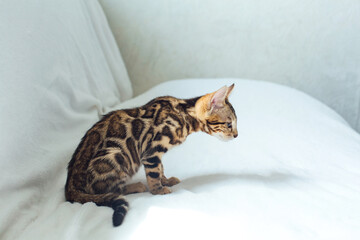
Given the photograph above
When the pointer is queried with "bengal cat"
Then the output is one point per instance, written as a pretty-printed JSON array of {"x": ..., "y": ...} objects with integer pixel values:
[{"x": 112, "y": 151}]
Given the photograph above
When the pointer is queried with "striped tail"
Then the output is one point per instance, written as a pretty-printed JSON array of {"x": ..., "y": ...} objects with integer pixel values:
[
  {"x": 113, "y": 200},
  {"x": 120, "y": 206}
]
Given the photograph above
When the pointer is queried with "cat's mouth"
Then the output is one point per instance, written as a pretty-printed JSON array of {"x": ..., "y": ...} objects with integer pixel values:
[{"x": 223, "y": 137}]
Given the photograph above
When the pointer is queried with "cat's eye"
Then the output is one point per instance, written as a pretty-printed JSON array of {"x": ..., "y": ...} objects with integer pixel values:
[{"x": 229, "y": 125}]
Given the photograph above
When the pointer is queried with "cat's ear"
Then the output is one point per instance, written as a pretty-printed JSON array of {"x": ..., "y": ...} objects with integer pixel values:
[
  {"x": 230, "y": 90},
  {"x": 218, "y": 99}
]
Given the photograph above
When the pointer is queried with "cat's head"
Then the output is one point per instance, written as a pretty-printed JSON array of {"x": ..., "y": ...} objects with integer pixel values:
[{"x": 217, "y": 114}]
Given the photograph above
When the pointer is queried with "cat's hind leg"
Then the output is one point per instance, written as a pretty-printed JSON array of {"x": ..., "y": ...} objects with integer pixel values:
[{"x": 134, "y": 188}]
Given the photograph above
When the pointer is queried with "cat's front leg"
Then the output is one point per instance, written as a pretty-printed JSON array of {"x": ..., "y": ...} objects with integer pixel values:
[
  {"x": 154, "y": 175},
  {"x": 169, "y": 182}
]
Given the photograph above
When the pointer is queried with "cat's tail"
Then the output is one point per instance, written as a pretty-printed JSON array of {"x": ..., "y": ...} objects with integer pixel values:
[{"x": 114, "y": 200}]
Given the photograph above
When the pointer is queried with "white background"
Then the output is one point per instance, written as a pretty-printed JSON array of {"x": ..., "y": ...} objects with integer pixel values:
[{"x": 311, "y": 45}]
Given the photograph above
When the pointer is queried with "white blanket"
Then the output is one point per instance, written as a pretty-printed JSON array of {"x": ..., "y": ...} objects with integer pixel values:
[
  {"x": 60, "y": 69},
  {"x": 293, "y": 173}
]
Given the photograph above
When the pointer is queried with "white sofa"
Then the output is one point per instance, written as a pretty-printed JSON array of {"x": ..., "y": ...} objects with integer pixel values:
[{"x": 293, "y": 172}]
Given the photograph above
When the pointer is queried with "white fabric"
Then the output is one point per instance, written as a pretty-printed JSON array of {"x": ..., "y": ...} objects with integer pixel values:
[
  {"x": 292, "y": 173},
  {"x": 59, "y": 70}
]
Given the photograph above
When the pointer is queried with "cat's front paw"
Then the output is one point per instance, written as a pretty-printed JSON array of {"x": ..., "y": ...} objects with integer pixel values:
[
  {"x": 161, "y": 191},
  {"x": 170, "y": 181}
]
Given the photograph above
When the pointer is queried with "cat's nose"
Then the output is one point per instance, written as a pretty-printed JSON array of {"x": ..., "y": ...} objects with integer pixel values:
[{"x": 235, "y": 135}]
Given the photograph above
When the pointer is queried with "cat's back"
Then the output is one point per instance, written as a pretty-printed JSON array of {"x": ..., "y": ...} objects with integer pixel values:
[{"x": 124, "y": 124}]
